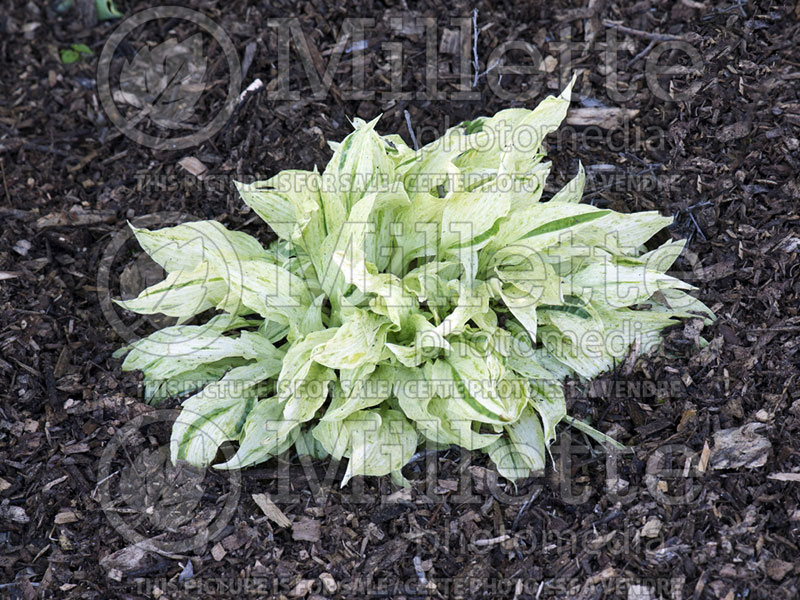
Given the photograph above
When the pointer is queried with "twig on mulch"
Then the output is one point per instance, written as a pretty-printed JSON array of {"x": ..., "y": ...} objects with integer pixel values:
[
  {"x": 524, "y": 507},
  {"x": 641, "y": 54},
  {"x": 411, "y": 130},
  {"x": 492, "y": 541},
  {"x": 658, "y": 37},
  {"x": 14, "y": 144},
  {"x": 50, "y": 381},
  {"x": 5, "y": 184},
  {"x": 475, "y": 62}
]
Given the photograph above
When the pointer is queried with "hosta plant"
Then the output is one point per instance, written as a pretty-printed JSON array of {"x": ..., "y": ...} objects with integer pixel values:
[{"x": 410, "y": 295}]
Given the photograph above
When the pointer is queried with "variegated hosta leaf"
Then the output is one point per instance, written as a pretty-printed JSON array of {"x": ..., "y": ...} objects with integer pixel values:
[
  {"x": 183, "y": 294},
  {"x": 298, "y": 362},
  {"x": 432, "y": 166},
  {"x": 359, "y": 165},
  {"x": 521, "y": 450},
  {"x": 157, "y": 389},
  {"x": 360, "y": 388},
  {"x": 548, "y": 400},
  {"x": 573, "y": 191},
  {"x": 184, "y": 247},
  {"x": 677, "y": 303},
  {"x": 258, "y": 439},
  {"x": 376, "y": 442},
  {"x": 433, "y": 294},
  {"x": 359, "y": 341},
  {"x": 441, "y": 419},
  {"x": 268, "y": 290},
  {"x": 618, "y": 286},
  {"x": 290, "y": 204},
  {"x": 308, "y": 395},
  {"x": 216, "y": 414},
  {"x": 307, "y": 445},
  {"x": 520, "y": 154},
  {"x": 475, "y": 379},
  {"x": 162, "y": 356}
]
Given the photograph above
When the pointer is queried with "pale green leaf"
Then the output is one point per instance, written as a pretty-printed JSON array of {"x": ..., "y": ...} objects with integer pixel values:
[
  {"x": 383, "y": 450},
  {"x": 618, "y": 285},
  {"x": 594, "y": 433},
  {"x": 573, "y": 191},
  {"x": 184, "y": 247},
  {"x": 360, "y": 389},
  {"x": 184, "y": 294},
  {"x": 214, "y": 415},
  {"x": 358, "y": 167},
  {"x": 258, "y": 440},
  {"x": 549, "y": 401},
  {"x": 521, "y": 451},
  {"x": 358, "y": 341}
]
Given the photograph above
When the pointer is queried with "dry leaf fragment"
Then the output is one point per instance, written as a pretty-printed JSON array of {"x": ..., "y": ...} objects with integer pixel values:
[
  {"x": 686, "y": 417},
  {"x": 65, "y": 517},
  {"x": 734, "y": 131},
  {"x": 451, "y": 39},
  {"x": 307, "y": 530},
  {"x": 604, "y": 117},
  {"x": 127, "y": 559},
  {"x": 784, "y": 476},
  {"x": 302, "y": 588},
  {"x": 22, "y": 247},
  {"x": 704, "y": 456},
  {"x": 641, "y": 592},
  {"x": 716, "y": 271},
  {"x": 652, "y": 528},
  {"x": 193, "y": 166},
  {"x": 116, "y": 575},
  {"x": 76, "y": 448},
  {"x": 740, "y": 447},
  {"x": 328, "y": 582},
  {"x": 272, "y": 512},
  {"x": 495, "y": 540},
  {"x": 218, "y": 552},
  {"x": 15, "y": 514},
  {"x": 778, "y": 569},
  {"x": 76, "y": 217},
  {"x": 788, "y": 244}
]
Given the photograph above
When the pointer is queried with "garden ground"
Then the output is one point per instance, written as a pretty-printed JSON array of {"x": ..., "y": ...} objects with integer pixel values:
[{"x": 723, "y": 160}]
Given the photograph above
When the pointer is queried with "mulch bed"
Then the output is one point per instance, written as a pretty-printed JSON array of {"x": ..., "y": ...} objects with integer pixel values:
[{"x": 724, "y": 161}]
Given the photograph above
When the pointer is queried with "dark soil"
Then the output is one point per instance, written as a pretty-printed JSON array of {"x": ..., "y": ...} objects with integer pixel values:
[{"x": 724, "y": 160}]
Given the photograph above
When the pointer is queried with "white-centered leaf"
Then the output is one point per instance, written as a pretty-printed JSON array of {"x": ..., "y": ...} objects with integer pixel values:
[{"x": 521, "y": 450}]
